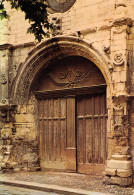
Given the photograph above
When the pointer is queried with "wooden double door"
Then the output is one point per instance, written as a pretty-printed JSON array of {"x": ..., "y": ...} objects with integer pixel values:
[{"x": 73, "y": 133}]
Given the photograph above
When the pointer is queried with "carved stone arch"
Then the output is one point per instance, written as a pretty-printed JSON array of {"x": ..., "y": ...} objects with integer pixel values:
[{"x": 47, "y": 52}]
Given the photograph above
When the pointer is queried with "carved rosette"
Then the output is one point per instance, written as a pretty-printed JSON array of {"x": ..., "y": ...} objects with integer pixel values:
[
  {"x": 118, "y": 59},
  {"x": 3, "y": 79}
]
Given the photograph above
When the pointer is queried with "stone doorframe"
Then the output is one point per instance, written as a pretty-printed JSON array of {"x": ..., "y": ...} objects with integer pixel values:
[{"x": 119, "y": 164}]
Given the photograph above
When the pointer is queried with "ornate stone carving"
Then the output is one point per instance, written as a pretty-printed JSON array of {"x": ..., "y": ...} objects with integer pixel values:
[
  {"x": 16, "y": 65},
  {"x": 121, "y": 29},
  {"x": 120, "y": 120},
  {"x": 118, "y": 130},
  {"x": 118, "y": 59},
  {"x": 106, "y": 49},
  {"x": 3, "y": 101},
  {"x": 7, "y": 113},
  {"x": 48, "y": 51},
  {"x": 4, "y": 80},
  {"x": 72, "y": 75}
]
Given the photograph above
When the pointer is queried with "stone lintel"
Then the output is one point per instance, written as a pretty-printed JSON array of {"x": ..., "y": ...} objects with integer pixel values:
[{"x": 6, "y": 46}]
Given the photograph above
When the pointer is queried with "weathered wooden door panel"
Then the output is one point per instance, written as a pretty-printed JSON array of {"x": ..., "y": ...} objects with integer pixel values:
[
  {"x": 71, "y": 137},
  {"x": 91, "y": 133},
  {"x": 72, "y": 125},
  {"x": 57, "y": 145}
]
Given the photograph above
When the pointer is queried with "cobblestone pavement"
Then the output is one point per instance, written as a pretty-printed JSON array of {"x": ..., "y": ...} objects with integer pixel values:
[
  {"x": 71, "y": 180},
  {"x": 9, "y": 190}
]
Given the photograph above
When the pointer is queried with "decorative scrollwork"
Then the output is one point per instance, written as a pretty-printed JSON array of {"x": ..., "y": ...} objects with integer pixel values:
[{"x": 71, "y": 76}]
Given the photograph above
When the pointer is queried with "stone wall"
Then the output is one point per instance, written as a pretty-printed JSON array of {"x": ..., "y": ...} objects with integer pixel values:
[{"x": 104, "y": 30}]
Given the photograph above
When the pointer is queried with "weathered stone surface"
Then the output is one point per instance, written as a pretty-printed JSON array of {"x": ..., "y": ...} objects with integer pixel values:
[
  {"x": 121, "y": 181},
  {"x": 25, "y": 133},
  {"x": 124, "y": 173},
  {"x": 122, "y": 150},
  {"x": 119, "y": 164},
  {"x": 6, "y": 132},
  {"x": 121, "y": 157},
  {"x": 103, "y": 37},
  {"x": 111, "y": 172}
]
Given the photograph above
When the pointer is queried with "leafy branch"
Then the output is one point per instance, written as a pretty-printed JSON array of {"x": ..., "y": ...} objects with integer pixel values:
[{"x": 35, "y": 11}]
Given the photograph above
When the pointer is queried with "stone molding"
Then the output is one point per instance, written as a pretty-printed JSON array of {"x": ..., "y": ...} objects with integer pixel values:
[
  {"x": 48, "y": 51},
  {"x": 6, "y": 46}
]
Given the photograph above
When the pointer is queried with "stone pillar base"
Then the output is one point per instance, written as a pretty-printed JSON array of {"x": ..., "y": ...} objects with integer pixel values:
[{"x": 119, "y": 170}]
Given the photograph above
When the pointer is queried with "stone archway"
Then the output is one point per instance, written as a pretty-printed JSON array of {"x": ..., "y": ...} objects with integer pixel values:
[
  {"x": 72, "y": 119},
  {"x": 40, "y": 59},
  {"x": 47, "y": 52}
]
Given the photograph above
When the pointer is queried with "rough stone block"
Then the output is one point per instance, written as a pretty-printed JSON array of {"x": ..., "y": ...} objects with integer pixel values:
[
  {"x": 6, "y": 132},
  {"x": 121, "y": 181},
  {"x": 111, "y": 172},
  {"x": 124, "y": 173},
  {"x": 16, "y": 170}
]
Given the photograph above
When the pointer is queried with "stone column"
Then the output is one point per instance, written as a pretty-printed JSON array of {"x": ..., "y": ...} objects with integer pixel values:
[
  {"x": 119, "y": 166},
  {"x": 5, "y": 61},
  {"x": 6, "y": 110},
  {"x": 7, "y": 132}
]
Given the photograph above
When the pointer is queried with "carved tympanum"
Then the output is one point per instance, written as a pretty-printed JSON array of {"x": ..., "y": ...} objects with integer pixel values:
[
  {"x": 71, "y": 76},
  {"x": 70, "y": 72}
]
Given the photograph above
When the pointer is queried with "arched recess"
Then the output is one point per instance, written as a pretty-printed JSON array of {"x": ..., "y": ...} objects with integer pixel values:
[
  {"x": 39, "y": 60},
  {"x": 45, "y": 54}
]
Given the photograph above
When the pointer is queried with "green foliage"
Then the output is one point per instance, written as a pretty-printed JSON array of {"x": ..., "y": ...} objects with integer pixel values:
[
  {"x": 3, "y": 13},
  {"x": 35, "y": 11}
]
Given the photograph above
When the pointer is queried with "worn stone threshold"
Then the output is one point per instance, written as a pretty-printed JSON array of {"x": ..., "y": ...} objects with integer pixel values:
[{"x": 47, "y": 187}]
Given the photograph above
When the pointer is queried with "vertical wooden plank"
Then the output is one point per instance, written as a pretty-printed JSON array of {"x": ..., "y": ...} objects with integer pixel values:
[
  {"x": 80, "y": 140},
  {"x": 47, "y": 130},
  {"x": 71, "y": 142},
  {"x": 58, "y": 130},
  {"x": 71, "y": 122},
  {"x": 102, "y": 130},
  {"x": 59, "y": 127},
  {"x": 63, "y": 129},
  {"x": 83, "y": 129},
  {"x": 93, "y": 129}
]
